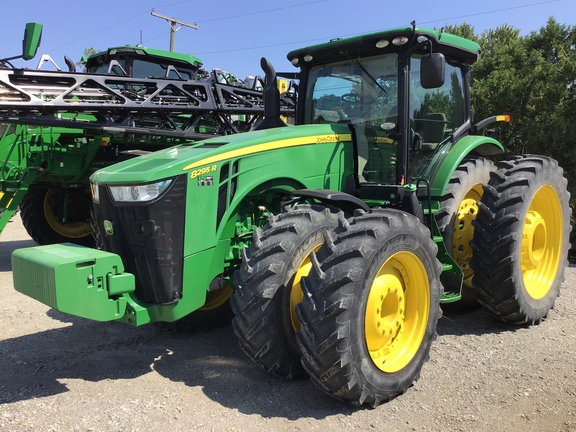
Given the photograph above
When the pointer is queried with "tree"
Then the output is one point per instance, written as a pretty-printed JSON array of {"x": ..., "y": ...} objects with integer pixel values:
[
  {"x": 87, "y": 52},
  {"x": 532, "y": 78}
]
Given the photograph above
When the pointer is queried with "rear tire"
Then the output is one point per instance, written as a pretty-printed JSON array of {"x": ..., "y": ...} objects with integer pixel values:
[
  {"x": 521, "y": 239},
  {"x": 458, "y": 210},
  {"x": 268, "y": 286},
  {"x": 370, "y": 308},
  {"x": 40, "y": 210}
]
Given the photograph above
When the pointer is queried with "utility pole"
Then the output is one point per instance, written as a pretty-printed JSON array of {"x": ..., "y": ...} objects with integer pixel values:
[{"x": 173, "y": 29}]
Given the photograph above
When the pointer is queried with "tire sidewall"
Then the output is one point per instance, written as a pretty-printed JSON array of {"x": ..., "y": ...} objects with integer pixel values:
[
  {"x": 310, "y": 241},
  {"x": 467, "y": 183}
]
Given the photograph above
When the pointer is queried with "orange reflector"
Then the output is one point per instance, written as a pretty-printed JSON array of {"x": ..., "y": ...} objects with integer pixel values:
[{"x": 504, "y": 118}]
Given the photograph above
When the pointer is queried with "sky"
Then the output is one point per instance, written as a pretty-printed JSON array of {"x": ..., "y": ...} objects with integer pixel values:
[{"x": 234, "y": 35}]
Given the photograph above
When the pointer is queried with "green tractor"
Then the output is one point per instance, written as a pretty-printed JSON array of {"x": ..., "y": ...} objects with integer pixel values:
[
  {"x": 128, "y": 101},
  {"x": 335, "y": 241}
]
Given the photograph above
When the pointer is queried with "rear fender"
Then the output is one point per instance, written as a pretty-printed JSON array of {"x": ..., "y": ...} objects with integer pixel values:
[{"x": 446, "y": 164}]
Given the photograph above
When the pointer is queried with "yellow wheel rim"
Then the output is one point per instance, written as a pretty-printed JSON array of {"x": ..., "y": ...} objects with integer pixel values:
[
  {"x": 296, "y": 293},
  {"x": 215, "y": 299},
  {"x": 69, "y": 230},
  {"x": 541, "y": 244},
  {"x": 464, "y": 231},
  {"x": 397, "y": 312}
]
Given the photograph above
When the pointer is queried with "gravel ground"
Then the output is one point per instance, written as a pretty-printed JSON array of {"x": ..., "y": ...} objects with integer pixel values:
[{"x": 61, "y": 373}]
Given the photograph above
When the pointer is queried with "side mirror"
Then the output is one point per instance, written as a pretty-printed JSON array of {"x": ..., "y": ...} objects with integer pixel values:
[
  {"x": 31, "y": 42},
  {"x": 432, "y": 68}
]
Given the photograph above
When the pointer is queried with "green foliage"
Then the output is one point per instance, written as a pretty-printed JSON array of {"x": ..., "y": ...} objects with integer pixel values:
[
  {"x": 87, "y": 53},
  {"x": 532, "y": 78},
  {"x": 464, "y": 30}
]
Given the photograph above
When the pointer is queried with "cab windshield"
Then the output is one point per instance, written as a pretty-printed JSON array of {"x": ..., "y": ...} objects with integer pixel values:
[
  {"x": 352, "y": 91},
  {"x": 141, "y": 68},
  {"x": 364, "y": 93}
]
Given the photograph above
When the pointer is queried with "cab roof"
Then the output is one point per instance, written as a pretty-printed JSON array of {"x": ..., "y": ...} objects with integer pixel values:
[
  {"x": 446, "y": 43},
  {"x": 193, "y": 61}
]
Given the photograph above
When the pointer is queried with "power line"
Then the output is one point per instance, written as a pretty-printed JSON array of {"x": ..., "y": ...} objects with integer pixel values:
[
  {"x": 274, "y": 10},
  {"x": 494, "y": 11},
  {"x": 243, "y": 15},
  {"x": 75, "y": 40},
  {"x": 263, "y": 11},
  {"x": 357, "y": 34},
  {"x": 180, "y": 3}
]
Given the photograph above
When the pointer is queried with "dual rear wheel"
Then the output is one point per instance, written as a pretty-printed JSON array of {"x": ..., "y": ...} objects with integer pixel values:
[
  {"x": 507, "y": 226},
  {"x": 521, "y": 239}
]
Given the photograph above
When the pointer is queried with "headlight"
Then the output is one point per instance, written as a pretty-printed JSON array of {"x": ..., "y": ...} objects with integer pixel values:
[
  {"x": 139, "y": 193},
  {"x": 95, "y": 192}
]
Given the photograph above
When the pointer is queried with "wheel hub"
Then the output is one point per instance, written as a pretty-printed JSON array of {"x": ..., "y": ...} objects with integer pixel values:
[
  {"x": 541, "y": 243},
  {"x": 397, "y": 310},
  {"x": 534, "y": 238},
  {"x": 464, "y": 231},
  {"x": 65, "y": 228},
  {"x": 384, "y": 315}
]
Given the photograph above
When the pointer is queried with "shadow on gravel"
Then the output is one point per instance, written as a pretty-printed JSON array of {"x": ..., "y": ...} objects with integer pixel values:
[
  {"x": 471, "y": 321},
  {"x": 210, "y": 360},
  {"x": 214, "y": 361},
  {"x": 34, "y": 366},
  {"x": 6, "y": 249}
]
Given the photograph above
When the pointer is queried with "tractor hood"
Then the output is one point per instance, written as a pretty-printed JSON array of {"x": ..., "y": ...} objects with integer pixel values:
[{"x": 188, "y": 158}]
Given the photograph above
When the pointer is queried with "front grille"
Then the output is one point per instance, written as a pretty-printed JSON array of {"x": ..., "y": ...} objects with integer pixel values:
[{"x": 150, "y": 239}]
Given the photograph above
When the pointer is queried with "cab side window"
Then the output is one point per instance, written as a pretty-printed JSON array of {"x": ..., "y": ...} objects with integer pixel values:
[{"x": 434, "y": 115}]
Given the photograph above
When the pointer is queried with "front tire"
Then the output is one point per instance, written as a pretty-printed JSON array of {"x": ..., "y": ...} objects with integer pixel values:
[
  {"x": 370, "y": 308},
  {"x": 521, "y": 239},
  {"x": 215, "y": 313},
  {"x": 268, "y": 286}
]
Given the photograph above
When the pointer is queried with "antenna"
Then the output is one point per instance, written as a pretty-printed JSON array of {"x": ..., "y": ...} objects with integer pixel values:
[{"x": 173, "y": 29}]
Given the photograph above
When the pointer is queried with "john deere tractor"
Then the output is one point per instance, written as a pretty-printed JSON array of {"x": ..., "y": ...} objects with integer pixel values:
[{"x": 337, "y": 239}]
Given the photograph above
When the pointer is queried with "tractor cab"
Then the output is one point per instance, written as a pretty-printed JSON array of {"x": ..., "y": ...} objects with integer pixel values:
[
  {"x": 402, "y": 93},
  {"x": 141, "y": 62}
]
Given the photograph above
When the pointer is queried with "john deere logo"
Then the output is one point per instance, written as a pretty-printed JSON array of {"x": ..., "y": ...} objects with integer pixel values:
[{"x": 108, "y": 227}]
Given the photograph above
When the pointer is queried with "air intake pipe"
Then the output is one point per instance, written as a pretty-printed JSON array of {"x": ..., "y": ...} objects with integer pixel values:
[{"x": 271, "y": 98}]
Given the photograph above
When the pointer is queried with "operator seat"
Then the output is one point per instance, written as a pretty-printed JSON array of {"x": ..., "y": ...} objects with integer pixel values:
[{"x": 433, "y": 130}]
